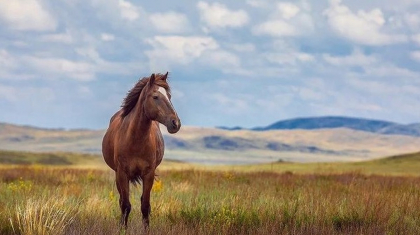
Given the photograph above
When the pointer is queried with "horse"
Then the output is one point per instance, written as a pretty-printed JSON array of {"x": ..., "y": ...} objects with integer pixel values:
[{"x": 133, "y": 144}]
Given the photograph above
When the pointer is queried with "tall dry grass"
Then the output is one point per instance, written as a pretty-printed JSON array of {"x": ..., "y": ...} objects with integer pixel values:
[
  {"x": 205, "y": 202},
  {"x": 43, "y": 216}
]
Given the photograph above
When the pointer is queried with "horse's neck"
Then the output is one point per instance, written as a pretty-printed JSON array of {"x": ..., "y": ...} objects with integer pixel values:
[{"x": 140, "y": 125}]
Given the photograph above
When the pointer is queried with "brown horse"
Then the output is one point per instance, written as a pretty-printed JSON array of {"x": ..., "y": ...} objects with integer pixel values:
[{"x": 133, "y": 144}]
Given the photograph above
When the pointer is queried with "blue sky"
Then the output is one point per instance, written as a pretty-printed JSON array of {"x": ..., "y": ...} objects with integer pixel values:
[{"x": 247, "y": 63}]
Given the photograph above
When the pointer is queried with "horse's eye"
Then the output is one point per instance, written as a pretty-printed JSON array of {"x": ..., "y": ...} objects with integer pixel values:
[{"x": 155, "y": 97}]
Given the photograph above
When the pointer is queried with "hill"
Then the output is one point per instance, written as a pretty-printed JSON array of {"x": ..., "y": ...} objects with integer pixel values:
[
  {"x": 329, "y": 122},
  {"x": 217, "y": 146}
]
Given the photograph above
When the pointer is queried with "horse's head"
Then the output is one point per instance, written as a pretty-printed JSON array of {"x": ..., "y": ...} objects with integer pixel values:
[{"x": 158, "y": 105}]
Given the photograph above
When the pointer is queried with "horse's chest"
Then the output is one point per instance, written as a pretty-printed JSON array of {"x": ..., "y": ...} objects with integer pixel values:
[{"x": 140, "y": 168}]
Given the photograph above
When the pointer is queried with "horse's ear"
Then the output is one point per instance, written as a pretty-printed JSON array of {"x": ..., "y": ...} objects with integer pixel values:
[
  {"x": 152, "y": 80},
  {"x": 165, "y": 76}
]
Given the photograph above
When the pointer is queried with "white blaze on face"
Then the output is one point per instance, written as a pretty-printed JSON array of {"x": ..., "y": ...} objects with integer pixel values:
[{"x": 164, "y": 93}]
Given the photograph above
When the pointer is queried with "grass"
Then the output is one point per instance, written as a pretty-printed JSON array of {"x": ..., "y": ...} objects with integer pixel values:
[
  {"x": 406, "y": 164},
  {"x": 58, "y": 159},
  {"x": 377, "y": 197},
  {"x": 51, "y": 200}
]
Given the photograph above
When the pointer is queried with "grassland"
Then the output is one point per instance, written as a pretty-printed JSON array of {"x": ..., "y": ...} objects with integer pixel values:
[{"x": 376, "y": 197}]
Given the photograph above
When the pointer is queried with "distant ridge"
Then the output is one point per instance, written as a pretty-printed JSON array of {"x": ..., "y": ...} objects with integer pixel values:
[
  {"x": 216, "y": 146},
  {"x": 329, "y": 122}
]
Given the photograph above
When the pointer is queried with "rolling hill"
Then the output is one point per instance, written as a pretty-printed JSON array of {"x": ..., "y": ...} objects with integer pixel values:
[
  {"x": 217, "y": 146},
  {"x": 330, "y": 122}
]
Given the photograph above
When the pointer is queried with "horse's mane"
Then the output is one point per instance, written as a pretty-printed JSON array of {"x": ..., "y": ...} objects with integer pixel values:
[{"x": 132, "y": 97}]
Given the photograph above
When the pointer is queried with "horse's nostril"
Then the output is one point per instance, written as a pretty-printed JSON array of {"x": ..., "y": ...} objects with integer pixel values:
[{"x": 174, "y": 123}]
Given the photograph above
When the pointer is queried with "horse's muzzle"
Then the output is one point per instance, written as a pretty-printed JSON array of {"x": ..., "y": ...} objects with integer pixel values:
[{"x": 174, "y": 126}]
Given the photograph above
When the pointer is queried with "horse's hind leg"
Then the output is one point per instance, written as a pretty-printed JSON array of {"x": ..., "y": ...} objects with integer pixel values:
[
  {"x": 145, "y": 197},
  {"x": 124, "y": 191}
]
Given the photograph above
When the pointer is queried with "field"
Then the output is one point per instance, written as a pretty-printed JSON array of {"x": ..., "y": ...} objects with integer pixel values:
[{"x": 376, "y": 197}]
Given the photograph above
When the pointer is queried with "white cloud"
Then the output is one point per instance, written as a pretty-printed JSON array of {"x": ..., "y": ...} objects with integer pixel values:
[
  {"x": 59, "y": 67},
  {"x": 26, "y": 15},
  {"x": 363, "y": 27},
  {"x": 170, "y": 50},
  {"x": 288, "y": 10},
  {"x": 128, "y": 11},
  {"x": 217, "y": 15},
  {"x": 90, "y": 53},
  {"x": 286, "y": 20},
  {"x": 170, "y": 22},
  {"x": 178, "y": 49},
  {"x": 290, "y": 58},
  {"x": 276, "y": 28},
  {"x": 107, "y": 37},
  {"x": 357, "y": 58}
]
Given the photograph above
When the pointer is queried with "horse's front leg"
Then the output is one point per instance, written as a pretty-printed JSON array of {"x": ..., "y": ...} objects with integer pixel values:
[
  {"x": 123, "y": 187},
  {"x": 145, "y": 197}
]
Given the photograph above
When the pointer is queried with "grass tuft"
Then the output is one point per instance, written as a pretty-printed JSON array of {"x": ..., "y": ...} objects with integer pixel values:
[{"x": 43, "y": 216}]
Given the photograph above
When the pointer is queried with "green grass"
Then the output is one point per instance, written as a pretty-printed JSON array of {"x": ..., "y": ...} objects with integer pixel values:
[
  {"x": 407, "y": 164},
  {"x": 375, "y": 197},
  {"x": 62, "y": 159},
  {"x": 85, "y": 201},
  {"x": 58, "y": 159}
]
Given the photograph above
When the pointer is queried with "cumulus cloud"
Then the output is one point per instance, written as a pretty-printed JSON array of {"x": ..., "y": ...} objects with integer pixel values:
[
  {"x": 169, "y": 22},
  {"x": 290, "y": 58},
  {"x": 366, "y": 28},
  {"x": 288, "y": 10},
  {"x": 179, "y": 49},
  {"x": 81, "y": 71},
  {"x": 277, "y": 28},
  {"x": 286, "y": 20},
  {"x": 26, "y": 15},
  {"x": 128, "y": 11},
  {"x": 170, "y": 50},
  {"x": 217, "y": 15}
]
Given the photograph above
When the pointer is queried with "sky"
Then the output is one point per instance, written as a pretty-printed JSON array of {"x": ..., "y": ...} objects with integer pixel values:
[{"x": 70, "y": 63}]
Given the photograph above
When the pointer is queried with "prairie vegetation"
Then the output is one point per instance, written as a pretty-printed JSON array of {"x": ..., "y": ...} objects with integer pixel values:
[{"x": 38, "y": 199}]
